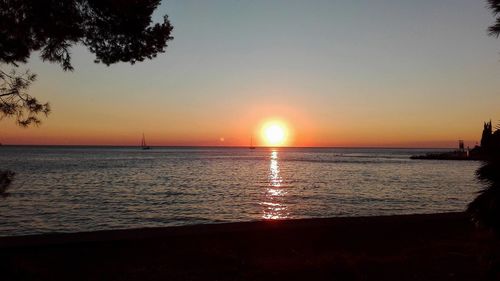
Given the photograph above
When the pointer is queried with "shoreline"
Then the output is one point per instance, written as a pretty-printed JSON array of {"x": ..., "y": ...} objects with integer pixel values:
[
  {"x": 404, "y": 247},
  {"x": 130, "y": 234}
]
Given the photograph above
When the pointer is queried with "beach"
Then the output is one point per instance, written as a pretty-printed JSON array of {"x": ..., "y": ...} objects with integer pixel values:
[{"x": 404, "y": 247}]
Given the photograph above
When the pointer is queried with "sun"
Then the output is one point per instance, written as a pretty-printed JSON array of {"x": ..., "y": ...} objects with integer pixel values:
[{"x": 274, "y": 133}]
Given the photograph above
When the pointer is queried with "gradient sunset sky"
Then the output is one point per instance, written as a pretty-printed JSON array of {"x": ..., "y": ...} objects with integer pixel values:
[{"x": 394, "y": 73}]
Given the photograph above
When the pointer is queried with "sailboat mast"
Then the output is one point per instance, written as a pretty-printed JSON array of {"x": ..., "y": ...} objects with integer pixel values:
[{"x": 251, "y": 143}]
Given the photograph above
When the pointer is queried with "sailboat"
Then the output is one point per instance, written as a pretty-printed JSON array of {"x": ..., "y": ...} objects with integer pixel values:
[
  {"x": 251, "y": 144},
  {"x": 143, "y": 143}
]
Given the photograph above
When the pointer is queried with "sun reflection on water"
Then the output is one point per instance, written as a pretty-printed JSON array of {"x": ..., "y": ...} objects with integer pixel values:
[{"x": 273, "y": 203}]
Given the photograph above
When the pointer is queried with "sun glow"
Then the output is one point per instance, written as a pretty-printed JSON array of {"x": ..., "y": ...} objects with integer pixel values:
[{"x": 274, "y": 133}]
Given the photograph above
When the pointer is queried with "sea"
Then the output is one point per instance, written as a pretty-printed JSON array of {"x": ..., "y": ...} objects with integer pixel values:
[{"x": 81, "y": 188}]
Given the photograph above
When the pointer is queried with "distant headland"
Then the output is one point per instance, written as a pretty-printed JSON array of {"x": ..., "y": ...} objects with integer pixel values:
[{"x": 489, "y": 141}]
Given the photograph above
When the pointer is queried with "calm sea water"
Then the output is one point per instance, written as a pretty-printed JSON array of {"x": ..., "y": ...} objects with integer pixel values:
[{"x": 69, "y": 189}]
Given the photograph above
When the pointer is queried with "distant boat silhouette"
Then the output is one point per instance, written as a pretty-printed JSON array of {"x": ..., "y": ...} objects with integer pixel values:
[
  {"x": 143, "y": 143},
  {"x": 251, "y": 144}
]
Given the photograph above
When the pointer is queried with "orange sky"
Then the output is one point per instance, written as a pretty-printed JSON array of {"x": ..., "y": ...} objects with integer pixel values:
[{"x": 68, "y": 126}]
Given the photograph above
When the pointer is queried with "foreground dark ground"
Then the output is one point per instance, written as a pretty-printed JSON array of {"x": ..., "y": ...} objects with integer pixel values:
[{"x": 414, "y": 247}]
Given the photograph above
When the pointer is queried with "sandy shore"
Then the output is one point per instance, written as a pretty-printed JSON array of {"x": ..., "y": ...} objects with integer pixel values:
[{"x": 411, "y": 247}]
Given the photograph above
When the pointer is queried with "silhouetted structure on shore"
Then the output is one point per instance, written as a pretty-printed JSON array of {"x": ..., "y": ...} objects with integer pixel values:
[
  {"x": 460, "y": 154},
  {"x": 488, "y": 140}
]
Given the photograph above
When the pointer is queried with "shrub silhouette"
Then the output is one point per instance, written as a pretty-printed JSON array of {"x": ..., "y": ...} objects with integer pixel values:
[
  {"x": 485, "y": 208},
  {"x": 6, "y": 178}
]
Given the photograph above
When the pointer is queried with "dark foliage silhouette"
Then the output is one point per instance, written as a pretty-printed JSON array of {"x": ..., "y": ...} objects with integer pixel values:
[
  {"x": 6, "y": 178},
  {"x": 15, "y": 100},
  {"x": 485, "y": 209},
  {"x": 494, "y": 6},
  {"x": 113, "y": 30}
]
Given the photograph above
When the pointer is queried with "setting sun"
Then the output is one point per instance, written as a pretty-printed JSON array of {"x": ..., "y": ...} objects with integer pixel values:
[{"x": 274, "y": 133}]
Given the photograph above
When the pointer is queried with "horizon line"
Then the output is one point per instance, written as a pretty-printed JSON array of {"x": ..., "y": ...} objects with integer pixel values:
[{"x": 220, "y": 146}]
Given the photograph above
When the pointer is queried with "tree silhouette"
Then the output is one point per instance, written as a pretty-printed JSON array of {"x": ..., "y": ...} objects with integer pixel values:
[
  {"x": 485, "y": 208},
  {"x": 113, "y": 30},
  {"x": 494, "y": 6},
  {"x": 15, "y": 100}
]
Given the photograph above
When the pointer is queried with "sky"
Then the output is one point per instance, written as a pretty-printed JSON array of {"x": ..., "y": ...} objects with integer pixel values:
[{"x": 366, "y": 73}]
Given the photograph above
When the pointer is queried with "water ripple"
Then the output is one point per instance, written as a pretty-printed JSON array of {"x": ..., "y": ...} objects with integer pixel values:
[{"x": 67, "y": 189}]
